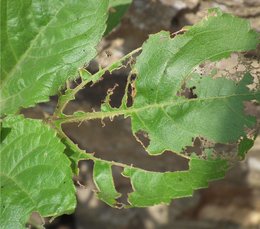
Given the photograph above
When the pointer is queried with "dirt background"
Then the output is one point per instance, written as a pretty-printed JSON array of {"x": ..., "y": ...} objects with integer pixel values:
[{"x": 232, "y": 203}]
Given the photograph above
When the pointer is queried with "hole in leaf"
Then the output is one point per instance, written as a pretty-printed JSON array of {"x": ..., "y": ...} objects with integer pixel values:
[
  {"x": 95, "y": 94},
  {"x": 227, "y": 151},
  {"x": 195, "y": 148},
  {"x": 122, "y": 184},
  {"x": 40, "y": 110},
  {"x": 188, "y": 93},
  {"x": 233, "y": 67},
  {"x": 63, "y": 221},
  {"x": 109, "y": 95},
  {"x": 36, "y": 219},
  {"x": 115, "y": 142},
  {"x": 142, "y": 137}
]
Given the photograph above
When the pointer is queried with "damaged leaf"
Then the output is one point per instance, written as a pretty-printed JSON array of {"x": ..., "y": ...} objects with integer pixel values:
[
  {"x": 215, "y": 111},
  {"x": 151, "y": 188},
  {"x": 166, "y": 65},
  {"x": 102, "y": 175}
]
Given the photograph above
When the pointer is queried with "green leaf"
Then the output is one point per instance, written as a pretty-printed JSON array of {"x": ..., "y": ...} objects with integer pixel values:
[
  {"x": 35, "y": 174},
  {"x": 85, "y": 74},
  {"x": 244, "y": 146},
  {"x": 117, "y": 10},
  {"x": 75, "y": 154},
  {"x": 165, "y": 66},
  {"x": 115, "y": 3},
  {"x": 151, "y": 188},
  {"x": 42, "y": 45},
  {"x": 215, "y": 113},
  {"x": 103, "y": 179},
  {"x": 172, "y": 121}
]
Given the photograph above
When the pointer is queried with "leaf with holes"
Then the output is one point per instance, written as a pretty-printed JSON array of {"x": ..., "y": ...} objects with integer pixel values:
[
  {"x": 42, "y": 45},
  {"x": 165, "y": 66},
  {"x": 171, "y": 120},
  {"x": 152, "y": 188},
  {"x": 35, "y": 174},
  {"x": 102, "y": 175}
]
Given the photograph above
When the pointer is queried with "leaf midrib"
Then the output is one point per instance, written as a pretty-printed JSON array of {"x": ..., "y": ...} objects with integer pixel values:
[{"x": 131, "y": 110}]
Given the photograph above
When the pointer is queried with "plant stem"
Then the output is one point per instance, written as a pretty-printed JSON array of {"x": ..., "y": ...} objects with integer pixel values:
[{"x": 89, "y": 116}]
